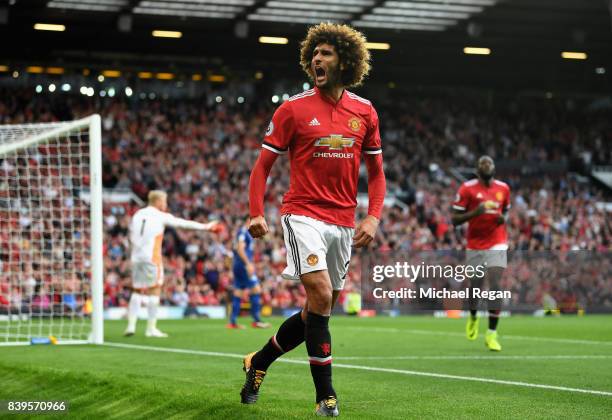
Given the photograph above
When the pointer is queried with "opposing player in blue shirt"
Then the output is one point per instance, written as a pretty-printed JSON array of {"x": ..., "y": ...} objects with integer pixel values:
[{"x": 245, "y": 280}]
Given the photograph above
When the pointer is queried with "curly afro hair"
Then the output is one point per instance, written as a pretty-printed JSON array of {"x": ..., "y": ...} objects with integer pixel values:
[{"x": 350, "y": 45}]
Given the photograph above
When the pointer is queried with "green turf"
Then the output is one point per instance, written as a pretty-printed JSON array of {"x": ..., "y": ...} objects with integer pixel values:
[{"x": 109, "y": 382}]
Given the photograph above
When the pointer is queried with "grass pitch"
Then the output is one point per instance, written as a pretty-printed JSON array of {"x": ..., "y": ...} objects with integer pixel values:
[{"x": 409, "y": 367}]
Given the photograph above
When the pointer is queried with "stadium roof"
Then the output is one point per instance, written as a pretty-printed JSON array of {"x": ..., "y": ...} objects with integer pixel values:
[
  {"x": 434, "y": 15},
  {"x": 524, "y": 38}
]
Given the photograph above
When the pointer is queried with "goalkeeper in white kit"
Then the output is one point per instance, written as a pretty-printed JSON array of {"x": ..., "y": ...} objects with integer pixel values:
[{"x": 146, "y": 236}]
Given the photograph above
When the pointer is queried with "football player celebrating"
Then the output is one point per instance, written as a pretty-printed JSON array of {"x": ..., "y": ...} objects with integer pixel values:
[
  {"x": 325, "y": 130},
  {"x": 483, "y": 203}
]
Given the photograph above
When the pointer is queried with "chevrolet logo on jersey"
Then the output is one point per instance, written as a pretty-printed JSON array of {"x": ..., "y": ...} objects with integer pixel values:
[{"x": 335, "y": 142}]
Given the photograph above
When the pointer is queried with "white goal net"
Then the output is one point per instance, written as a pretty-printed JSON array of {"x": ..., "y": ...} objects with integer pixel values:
[{"x": 51, "y": 233}]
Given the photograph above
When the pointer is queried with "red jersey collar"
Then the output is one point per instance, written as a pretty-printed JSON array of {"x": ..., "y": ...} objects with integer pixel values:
[
  {"x": 328, "y": 99},
  {"x": 485, "y": 185}
]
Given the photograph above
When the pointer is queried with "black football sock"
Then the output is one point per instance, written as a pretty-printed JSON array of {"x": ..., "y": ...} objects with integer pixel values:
[
  {"x": 318, "y": 344},
  {"x": 493, "y": 319},
  {"x": 474, "y": 302},
  {"x": 289, "y": 336}
]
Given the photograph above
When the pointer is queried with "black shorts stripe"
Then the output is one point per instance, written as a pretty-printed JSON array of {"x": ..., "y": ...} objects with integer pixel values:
[
  {"x": 294, "y": 247},
  {"x": 289, "y": 237},
  {"x": 284, "y": 219},
  {"x": 298, "y": 266},
  {"x": 276, "y": 147},
  {"x": 346, "y": 269}
]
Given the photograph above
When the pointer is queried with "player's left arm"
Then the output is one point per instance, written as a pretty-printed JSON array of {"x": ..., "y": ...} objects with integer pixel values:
[
  {"x": 377, "y": 184},
  {"x": 503, "y": 217}
]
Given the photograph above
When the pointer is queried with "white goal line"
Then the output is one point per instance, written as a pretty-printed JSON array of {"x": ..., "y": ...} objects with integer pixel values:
[{"x": 368, "y": 368}]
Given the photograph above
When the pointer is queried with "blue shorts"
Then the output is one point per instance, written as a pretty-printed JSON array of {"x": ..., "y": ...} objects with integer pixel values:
[{"x": 242, "y": 280}]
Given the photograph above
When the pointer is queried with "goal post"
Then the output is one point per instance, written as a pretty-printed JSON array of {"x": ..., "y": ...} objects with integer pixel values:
[{"x": 51, "y": 265}]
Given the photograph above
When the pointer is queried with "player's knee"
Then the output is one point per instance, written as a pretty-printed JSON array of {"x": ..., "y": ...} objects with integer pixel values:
[
  {"x": 256, "y": 290},
  {"x": 323, "y": 289},
  {"x": 494, "y": 275},
  {"x": 319, "y": 292},
  {"x": 320, "y": 299}
]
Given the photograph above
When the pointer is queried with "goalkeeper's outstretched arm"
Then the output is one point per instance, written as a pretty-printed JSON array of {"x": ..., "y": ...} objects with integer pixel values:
[{"x": 177, "y": 222}]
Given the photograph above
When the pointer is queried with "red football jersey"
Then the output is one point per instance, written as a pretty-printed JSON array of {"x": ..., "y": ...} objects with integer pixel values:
[
  {"x": 483, "y": 231},
  {"x": 325, "y": 141}
]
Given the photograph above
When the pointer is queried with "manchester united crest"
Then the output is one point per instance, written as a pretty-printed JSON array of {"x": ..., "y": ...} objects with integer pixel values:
[
  {"x": 354, "y": 124},
  {"x": 499, "y": 196},
  {"x": 312, "y": 259}
]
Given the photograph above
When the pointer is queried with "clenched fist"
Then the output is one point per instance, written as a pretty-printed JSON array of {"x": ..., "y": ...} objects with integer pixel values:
[{"x": 258, "y": 227}]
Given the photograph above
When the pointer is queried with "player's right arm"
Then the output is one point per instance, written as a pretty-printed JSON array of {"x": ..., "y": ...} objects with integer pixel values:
[
  {"x": 460, "y": 214},
  {"x": 276, "y": 142},
  {"x": 257, "y": 191},
  {"x": 503, "y": 217}
]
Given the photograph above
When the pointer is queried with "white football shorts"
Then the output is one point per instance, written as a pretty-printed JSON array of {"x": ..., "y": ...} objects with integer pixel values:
[
  {"x": 313, "y": 245},
  {"x": 146, "y": 275},
  {"x": 487, "y": 257}
]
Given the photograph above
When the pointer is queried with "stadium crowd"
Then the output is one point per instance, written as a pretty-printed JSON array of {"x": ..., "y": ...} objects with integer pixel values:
[{"x": 202, "y": 153}]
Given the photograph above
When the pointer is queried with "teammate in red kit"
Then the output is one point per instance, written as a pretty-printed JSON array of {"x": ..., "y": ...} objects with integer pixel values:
[
  {"x": 325, "y": 130},
  {"x": 484, "y": 204}
]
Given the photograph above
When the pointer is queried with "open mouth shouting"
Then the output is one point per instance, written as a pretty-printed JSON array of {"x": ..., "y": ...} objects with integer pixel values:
[{"x": 320, "y": 75}]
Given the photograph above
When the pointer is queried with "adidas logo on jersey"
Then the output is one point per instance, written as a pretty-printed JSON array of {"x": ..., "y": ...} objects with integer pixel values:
[{"x": 314, "y": 122}]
